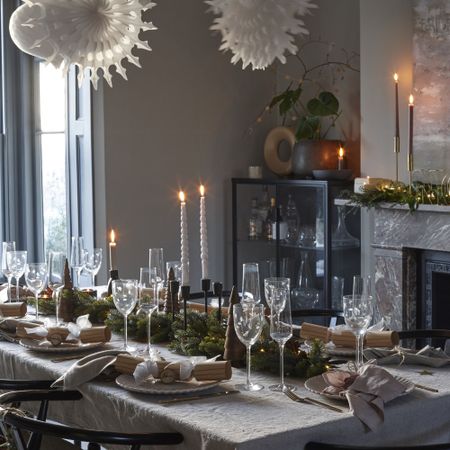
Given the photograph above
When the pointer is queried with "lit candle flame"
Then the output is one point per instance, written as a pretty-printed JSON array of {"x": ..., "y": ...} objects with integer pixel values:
[
  {"x": 181, "y": 196},
  {"x": 112, "y": 237},
  {"x": 396, "y": 77},
  {"x": 202, "y": 190},
  {"x": 411, "y": 99},
  {"x": 341, "y": 152}
]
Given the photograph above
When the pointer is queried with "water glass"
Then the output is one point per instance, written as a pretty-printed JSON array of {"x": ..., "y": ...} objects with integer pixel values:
[
  {"x": 250, "y": 283},
  {"x": 77, "y": 257},
  {"x": 7, "y": 247},
  {"x": 36, "y": 278},
  {"x": 148, "y": 303},
  {"x": 93, "y": 263},
  {"x": 16, "y": 262},
  {"x": 56, "y": 263},
  {"x": 248, "y": 324},
  {"x": 281, "y": 324},
  {"x": 125, "y": 296}
]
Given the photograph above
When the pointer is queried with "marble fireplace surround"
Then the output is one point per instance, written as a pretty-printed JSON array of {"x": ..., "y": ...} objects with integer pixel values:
[{"x": 397, "y": 237}]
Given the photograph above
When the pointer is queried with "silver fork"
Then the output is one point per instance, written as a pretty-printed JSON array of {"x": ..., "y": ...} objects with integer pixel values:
[{"x": 296, "y": 398}]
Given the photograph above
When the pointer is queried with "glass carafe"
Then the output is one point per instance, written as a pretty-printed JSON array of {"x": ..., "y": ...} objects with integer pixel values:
[
  {"x": 341, "y": 236},
  {"x": 305, "y": 295}
]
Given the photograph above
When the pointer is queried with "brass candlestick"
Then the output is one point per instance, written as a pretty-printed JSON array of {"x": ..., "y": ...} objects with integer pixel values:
[{"x": 113, "y": 275}]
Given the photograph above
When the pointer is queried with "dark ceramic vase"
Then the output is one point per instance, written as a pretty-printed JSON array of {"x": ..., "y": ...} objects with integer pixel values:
[{"x": 309, "y": 155}]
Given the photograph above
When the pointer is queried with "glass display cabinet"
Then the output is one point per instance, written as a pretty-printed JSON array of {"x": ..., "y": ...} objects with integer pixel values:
[{"x": 294, "y": 229}]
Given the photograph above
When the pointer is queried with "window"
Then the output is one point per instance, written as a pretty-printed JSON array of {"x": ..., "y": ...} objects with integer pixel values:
[
  {"x": 51, "y": 139},
  {"x": 46, "y": 173}
]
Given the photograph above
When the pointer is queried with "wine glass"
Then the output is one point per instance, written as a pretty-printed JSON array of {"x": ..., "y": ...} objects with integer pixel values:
[
  {"x": 270, "y": 284},
  {"x": 248, "y": 324},
  {"x": 56, "y": 263},
  {"x": 93, "y": 263},
  {"x": 148, "y": 303},
  {"x": 280, "y": 323},
  {"x": 157, "y": 269},
  {"x": 358, "y": 310},
  {"x": 36, "y": 278},
  {"x": 7, "y": 247},
  {"x": 250, "y": 283},
  {"x": 77, "y": 257},
  {"x": 125, "y": 295},
  {"x": 16, "y": 261}
]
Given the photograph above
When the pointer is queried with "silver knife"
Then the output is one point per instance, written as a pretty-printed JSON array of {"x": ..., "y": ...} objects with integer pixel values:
[{"x": 196, "y": 397}]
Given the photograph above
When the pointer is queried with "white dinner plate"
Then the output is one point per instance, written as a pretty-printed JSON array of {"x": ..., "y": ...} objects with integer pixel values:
[
  {"x": 47, "y": 347},
  {"x": 179, "y": 387},
  {"x": 317, "y": 384}
]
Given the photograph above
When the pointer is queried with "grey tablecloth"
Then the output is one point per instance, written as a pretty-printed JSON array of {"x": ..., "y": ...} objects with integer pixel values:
[{"x": 247, "y": 421}]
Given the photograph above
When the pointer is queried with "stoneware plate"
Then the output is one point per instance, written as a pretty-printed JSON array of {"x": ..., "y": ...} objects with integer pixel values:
[
  {"x": 148, "y": 387},
  {"x": 317, "y": 384},
  {"x": 47, "y": 347}
]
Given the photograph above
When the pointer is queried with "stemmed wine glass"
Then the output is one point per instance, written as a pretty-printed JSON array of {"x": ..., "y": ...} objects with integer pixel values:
[
  {"x": 148, "y": 303},
  {"x": 156, "y": 269},
  {"x": 280, "y": 321},
  {"x": 7, "y": 247},
  {"x": 77, "y": 257},
  {"x": 248, "y": 323},
  {"x": 36, "y": 278},
  {"x": 93, "y": 263},
  {"x": 56, "y": 262},
  {"x": 16, "y": 261},
  {"x": 250, "y": 283},
  {"x": 358, "y": 311},
  {"x": 125, "y": 295}
]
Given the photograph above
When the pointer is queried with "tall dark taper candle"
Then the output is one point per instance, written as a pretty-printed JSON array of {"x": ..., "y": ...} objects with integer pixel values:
[
  {"x": 397, "y": 128},
  {"x": 411, "y": 137}
]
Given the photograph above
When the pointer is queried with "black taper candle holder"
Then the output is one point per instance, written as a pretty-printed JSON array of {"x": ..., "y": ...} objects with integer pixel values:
[
  {"x": 185, "y": 292},
  {"x": 206, "y": 286},
  {"x": 218, "y": 289},
  {"x": 113, "y": 275},
  {"x": 174, "y": 288}
]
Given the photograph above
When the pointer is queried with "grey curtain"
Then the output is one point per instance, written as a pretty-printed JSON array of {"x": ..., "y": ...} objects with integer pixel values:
[{"x": 20, "y": 193}]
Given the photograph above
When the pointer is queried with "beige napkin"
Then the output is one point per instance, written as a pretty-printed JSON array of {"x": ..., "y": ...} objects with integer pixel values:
[
  {"x": 366, "y": 392},
  {"x": 86, "y": 369},
  {"x": 427, "y": 356}
]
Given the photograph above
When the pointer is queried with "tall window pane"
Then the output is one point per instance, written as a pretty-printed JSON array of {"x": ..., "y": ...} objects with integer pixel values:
[{"x": 52, "y": 113}]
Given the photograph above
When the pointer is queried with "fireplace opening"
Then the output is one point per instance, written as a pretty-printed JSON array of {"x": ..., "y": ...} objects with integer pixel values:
[{"x": 433, "y": 309}]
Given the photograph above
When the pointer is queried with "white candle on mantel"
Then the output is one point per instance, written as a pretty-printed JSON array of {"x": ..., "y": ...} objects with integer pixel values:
[
  {"x": 203, "y": 234},
  {"x": 112, "y": 250},
  {"x": 184, "y": 241}
]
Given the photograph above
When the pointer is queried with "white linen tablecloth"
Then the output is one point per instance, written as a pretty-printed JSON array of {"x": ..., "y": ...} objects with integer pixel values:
[{"x": 248, "y": 421}]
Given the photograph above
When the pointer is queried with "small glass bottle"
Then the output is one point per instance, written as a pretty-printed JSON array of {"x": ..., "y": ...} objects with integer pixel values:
[
  {"x": 292, "y": 221},
  {"x": 254, "y": 222},
  {"x": 271, "y": 221}
]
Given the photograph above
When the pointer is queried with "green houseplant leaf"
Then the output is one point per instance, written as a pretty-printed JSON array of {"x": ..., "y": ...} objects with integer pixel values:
[
  {"x": 308, "y": 128},
  {"x": 326, "y": 104}
]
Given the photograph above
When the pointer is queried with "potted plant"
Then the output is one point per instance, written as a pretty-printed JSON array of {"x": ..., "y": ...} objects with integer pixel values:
[{"x": 310, "y": 114}]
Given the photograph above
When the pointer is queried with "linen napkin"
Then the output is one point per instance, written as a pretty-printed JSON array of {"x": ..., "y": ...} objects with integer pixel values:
[
  {"x": 367, "y": 391},
  {"x": 86, "y": 369},
  {"x": 427, "y": 356}
]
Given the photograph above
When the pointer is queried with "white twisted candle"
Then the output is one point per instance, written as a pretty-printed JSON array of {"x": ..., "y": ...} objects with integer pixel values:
[
  {"x": 203, "y": 234},
  {"x": 184, "y": 242}
]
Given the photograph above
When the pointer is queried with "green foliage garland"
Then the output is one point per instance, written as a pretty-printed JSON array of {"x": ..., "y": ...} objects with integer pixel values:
[{"x": 398, "y": 193}]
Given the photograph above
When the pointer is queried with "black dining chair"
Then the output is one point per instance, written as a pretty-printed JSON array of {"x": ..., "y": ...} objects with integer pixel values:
[
  {"x": 437, "y": 337},
  {"x": 15, "y": 423},
  {"x": 322, "y": 446}
]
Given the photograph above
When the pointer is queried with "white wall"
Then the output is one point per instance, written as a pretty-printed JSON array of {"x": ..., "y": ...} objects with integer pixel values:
[
  {"x": 386, "y": 47},
  {"x": 180, "y": 119}
]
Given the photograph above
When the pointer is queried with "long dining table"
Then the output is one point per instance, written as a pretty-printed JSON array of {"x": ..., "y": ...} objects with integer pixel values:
[{"x": 248, "y": 420}]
